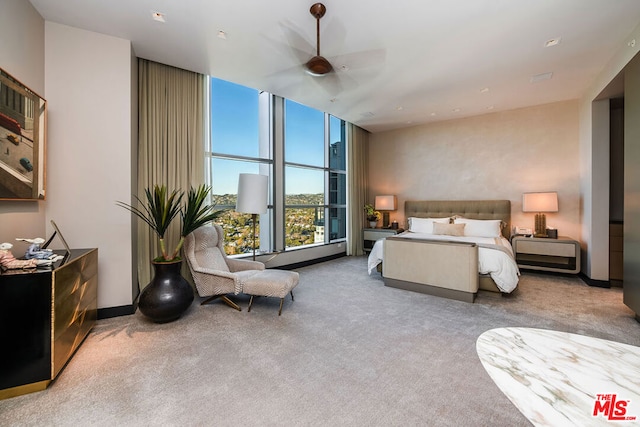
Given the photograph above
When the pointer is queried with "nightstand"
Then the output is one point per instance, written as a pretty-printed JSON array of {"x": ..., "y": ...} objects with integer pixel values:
[
  {"x": 560, "y": 255},
  {"x": 370, "y": 235}
]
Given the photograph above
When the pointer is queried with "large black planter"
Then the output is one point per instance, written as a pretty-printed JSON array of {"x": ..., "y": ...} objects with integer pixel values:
[{"x": 168, "y": 295}]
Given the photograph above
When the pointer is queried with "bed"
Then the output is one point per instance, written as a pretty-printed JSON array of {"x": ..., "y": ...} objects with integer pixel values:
[{"x": 469, "y": 251}]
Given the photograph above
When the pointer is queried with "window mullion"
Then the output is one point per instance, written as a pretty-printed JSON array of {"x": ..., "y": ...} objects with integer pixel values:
[{"x": 278, "y": 174}]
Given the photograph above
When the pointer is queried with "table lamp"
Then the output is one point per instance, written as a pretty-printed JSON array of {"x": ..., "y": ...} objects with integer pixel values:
[
  {"x": 385, "y": 204},
  {"x": 539, "y": 203}
]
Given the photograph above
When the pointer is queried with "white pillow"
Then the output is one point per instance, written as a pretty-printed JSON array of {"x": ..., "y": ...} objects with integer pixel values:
[
  {"x": 480, "y": 227},
  {"x": 425, "y": 225}
]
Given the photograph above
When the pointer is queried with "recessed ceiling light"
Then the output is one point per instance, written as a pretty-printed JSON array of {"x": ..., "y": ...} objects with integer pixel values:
[
  {"x": 333, "y": 99},
  {"x": 433, "y": 114},
  {"x": 222, "y": 35},
  {"x": 399, "y": 108},
  {"x": 552, "y": 42},
  {"x": 490, "y": 107},
  {"x": 158, "y": 16},
  {"x": 456, "y": 110},
  {"x": 484, "y": 90},
  {"x": 541, "y": 77}
]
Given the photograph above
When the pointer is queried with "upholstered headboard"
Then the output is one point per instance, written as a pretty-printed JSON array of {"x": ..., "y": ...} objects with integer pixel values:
[{"x": 472, "y": 209}]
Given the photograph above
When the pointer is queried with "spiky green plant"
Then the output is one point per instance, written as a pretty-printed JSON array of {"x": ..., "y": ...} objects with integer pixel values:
[
  {"x": 162, "y": 207},
  {"x": 159, "y": 211},
  {"x": 196, "y": 213}
]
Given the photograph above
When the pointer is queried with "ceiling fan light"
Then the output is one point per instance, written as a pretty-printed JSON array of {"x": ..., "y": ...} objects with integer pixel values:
[
  {"x": 311, "y": 73},
  {"x": 318, "y": 66}
]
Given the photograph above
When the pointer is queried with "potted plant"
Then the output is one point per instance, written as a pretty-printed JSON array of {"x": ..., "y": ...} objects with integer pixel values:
[
  {"x": 168, "y": 294},
  {"x": 373, "y": 216}
]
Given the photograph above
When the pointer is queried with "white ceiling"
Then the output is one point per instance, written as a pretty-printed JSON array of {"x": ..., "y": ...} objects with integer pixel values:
[{"x": 409, "y": 62}]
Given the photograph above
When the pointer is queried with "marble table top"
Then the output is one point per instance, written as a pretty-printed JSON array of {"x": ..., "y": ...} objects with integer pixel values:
[{"x": 562, "y": 379}]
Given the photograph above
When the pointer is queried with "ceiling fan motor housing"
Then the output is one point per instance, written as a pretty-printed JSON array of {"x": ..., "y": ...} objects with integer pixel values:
[
  {"x": 318, "y": 65},
  {"x": 318, "y": 10}
]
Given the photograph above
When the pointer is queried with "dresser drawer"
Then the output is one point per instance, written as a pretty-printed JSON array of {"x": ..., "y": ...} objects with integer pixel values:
[
  {"x": 559, "y": 255},
  {"x": 377, "y": 235},
  {"x": 371, "y": 235}
]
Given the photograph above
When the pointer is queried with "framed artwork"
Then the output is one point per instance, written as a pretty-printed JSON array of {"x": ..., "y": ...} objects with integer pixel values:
[{"x": 22, "y": 141}]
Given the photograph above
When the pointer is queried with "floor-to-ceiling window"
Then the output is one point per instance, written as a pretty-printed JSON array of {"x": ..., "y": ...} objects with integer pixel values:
[
  {"x": 305, "y": 163},
  {"x": 337, "y": 179},
  {"x": 304, "y": 175},
  {"x": 237, "y": 145}
]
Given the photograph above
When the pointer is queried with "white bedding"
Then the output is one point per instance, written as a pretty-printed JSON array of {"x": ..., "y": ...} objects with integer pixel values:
[{"x": 495, "y": 257}]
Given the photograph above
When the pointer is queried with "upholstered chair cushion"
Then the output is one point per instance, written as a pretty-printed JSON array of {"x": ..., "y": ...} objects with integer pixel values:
[
  {"x": 212, "y": 258},
  {"x": 271, "y": 283}
]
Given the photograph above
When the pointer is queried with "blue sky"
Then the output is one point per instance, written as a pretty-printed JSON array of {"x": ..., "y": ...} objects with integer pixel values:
[{"x": 234, "y": 122}]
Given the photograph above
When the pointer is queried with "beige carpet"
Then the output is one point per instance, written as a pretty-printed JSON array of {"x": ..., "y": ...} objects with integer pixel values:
[{"x": 348, "y": 351}]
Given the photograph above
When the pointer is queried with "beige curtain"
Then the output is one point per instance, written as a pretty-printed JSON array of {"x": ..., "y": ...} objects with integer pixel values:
[
  {"x": 171, "y": 133},
  {"x": 356, "y": 187}
]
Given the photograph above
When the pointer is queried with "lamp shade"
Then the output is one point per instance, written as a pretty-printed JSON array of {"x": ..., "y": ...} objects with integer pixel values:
[
  {"x": 252, "y": 193},
  {"x": 540, "y": 202},
  {"x": 386, "y": 203}
]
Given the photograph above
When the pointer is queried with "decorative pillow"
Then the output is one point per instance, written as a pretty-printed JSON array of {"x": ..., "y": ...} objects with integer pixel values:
[
  {"x": 425, "y": 225},
  {"x": 480, "y": 227},
  {"x": 448, "y": 229}
]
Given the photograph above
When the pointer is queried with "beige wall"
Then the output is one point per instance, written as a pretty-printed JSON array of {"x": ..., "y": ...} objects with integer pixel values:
[
  {"x": 91, "y": 108},
  {"x": 493, "y": 156},
  {"x": 595, "y": 169},
  {"x": 632, "y": 186},
  {"x": 22, "y": 56}
]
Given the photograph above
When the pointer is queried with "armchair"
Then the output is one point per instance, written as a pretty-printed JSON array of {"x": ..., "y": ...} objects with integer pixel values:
[{"x": 214, "y": 274}]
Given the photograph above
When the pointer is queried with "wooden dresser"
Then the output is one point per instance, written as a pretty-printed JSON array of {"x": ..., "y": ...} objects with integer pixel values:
[{"x": 45, "y": 314}]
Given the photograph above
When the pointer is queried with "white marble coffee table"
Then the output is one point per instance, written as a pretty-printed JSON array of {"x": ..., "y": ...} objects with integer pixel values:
[{"x": 561, "y": 379}]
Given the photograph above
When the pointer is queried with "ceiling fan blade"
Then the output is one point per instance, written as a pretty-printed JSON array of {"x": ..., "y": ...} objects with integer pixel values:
[
  {"x": 359, "y": 60},
  {"x": 299, "y": 46},
  {"x": 330, "y": 83}
]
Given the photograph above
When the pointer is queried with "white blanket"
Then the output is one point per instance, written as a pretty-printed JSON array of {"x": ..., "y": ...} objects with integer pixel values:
[{"x": 495, "y": 257}]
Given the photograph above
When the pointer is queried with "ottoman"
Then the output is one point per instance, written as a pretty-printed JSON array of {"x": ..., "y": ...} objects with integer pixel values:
[{"x": 271, "y": 283}]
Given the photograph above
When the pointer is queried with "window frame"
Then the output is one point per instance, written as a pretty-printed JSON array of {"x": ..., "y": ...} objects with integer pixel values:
[{"x": 272, "y": 131}]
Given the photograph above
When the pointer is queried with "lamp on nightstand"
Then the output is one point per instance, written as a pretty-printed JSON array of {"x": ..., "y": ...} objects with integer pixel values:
[
  {"x": 539, "y": 203},
  {"x": 386, "y": 204}
]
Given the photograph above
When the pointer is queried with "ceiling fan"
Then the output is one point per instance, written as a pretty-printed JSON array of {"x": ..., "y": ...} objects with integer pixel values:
[
  {"x": 318, "y": 65},
  {"x": 338, "y": 74}
]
